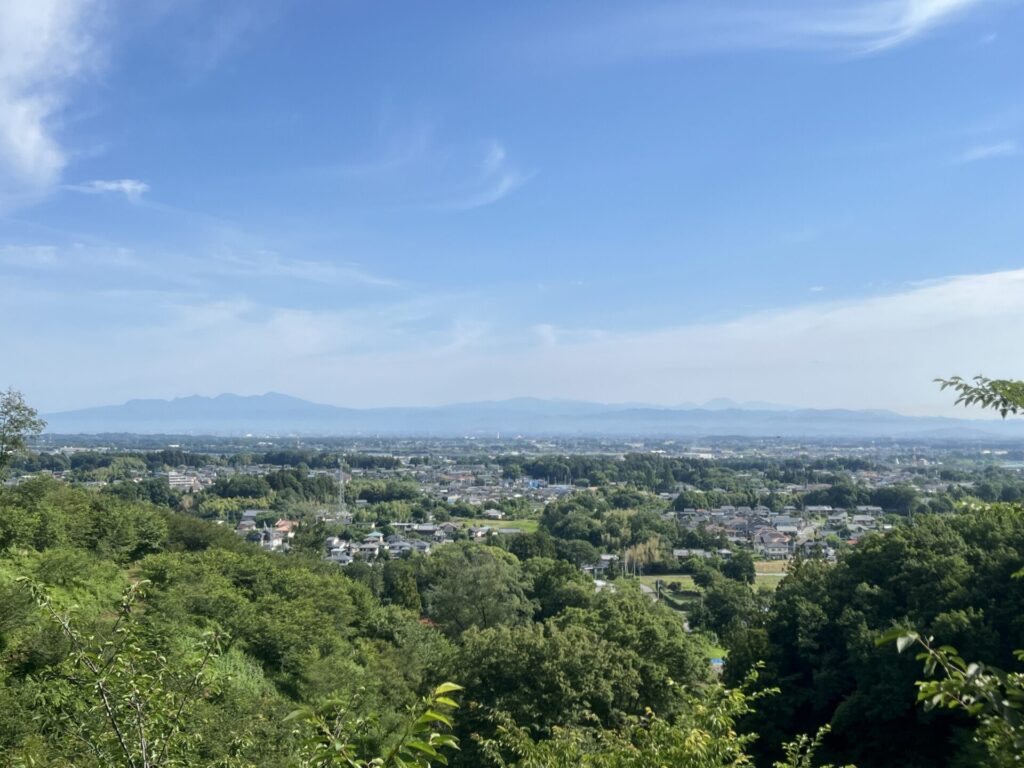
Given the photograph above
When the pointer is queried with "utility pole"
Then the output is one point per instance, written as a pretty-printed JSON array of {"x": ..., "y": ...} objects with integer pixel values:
[{"x": 341, "y": 489}]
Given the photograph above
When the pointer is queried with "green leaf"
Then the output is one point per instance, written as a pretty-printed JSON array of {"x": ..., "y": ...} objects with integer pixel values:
[
  {"x": 444, "y": 688},
  {"x": 431, "y": 716},
  {"x": 295, "y": 714},
  {"x": 421, "y": 746},
  {"x": 905, "y": 641}
]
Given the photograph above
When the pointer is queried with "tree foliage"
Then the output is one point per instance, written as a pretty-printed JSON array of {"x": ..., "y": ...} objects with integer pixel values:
[
  {"x": 326, "y": 735},
  {"x": 18, "y": 422},
  {"x": 988, "y": 693},
  {"x": 1003, "y": 395}
]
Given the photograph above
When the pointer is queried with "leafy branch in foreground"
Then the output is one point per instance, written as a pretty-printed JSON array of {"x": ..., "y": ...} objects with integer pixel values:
[
  {"x": 326, "y": 735},
  {"x": 113, "y": 701},
  {"x": 703, "y": 735},
  {"x": 1003, "y": 395},
  {"x": 993, "y": 696}
]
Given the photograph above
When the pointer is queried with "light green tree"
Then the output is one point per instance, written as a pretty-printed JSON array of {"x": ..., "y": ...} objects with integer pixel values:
[
  {"x": 18, "y": 422},
  {"x": 115, "y": 700},
  {"x": 327, "y": 734}
]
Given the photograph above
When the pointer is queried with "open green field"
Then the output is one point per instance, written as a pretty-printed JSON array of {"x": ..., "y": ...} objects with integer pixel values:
[
  {"x": 770, "y": 580},
  {"x": 683, "y": 580},
  {"x": 526, "y": 525}
]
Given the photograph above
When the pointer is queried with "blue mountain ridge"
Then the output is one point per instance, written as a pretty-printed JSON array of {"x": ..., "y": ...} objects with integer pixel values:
[{"x": 276, "y": 414}]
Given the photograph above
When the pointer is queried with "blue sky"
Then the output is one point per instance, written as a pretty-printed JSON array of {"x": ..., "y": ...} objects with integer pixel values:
[{"x": 364, "y": 203}]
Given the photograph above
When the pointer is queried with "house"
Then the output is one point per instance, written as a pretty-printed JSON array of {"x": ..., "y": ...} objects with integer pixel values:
[
  {"x": 368, "y": 550},
  {"x": 682, "y": 554},
  {"x": 479, "y": 532},
  {"x": 494, "y": 514},
  {"x": 837, "y": 519},
  {"x": 399, "y": 547},
  {"x": 787, "y": 521},
  {"x": 179, "y": 481},
  {"x": 340, "y": 555},
  {"x": 867, "y": 509},
  {"x": 286, "y": 527},
  {"x": 604, "y": 562},
  {"x": 771, "y": 544},
  {"x": 817, "y": 548},
  {"x": 272, "y": 540}
]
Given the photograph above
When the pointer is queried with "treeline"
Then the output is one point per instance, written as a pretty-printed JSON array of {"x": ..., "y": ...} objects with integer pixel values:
[
  {"x": 619, "y": 521},
  {"x": 951, "y": 576},
  {"x": 173, "y": 458},
  {"x": 152, "y": 461},
  {"x": 281, "y": 490},
  {"x": 551, "y": 667},
  {"x": 531, "y": 641}
]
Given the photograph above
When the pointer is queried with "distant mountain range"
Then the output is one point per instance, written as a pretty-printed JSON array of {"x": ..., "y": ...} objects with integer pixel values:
[{"x": 275, "y": 414}]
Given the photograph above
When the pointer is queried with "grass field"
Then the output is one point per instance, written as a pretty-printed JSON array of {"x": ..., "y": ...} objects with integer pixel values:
[
  {"x": 770, "y": 580},
  {"x": 683, "y": 580},
  {"x": 770, "y": 566},
  {"x": 526, "y": 525}
]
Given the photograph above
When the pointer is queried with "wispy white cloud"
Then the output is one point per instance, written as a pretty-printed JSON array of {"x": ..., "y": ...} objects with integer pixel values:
[
  {"x": 267, "y": 264},
  {"x": 990, "y": 151},
  {"x": 847, "y": 26},
  {"x": 222, "y": 30},
  {"x": 497, "y": 179},
  {"x": 880, "y": 351},
  {"x": 189, "y": 272},
  {"x": 29, "y": 256},
  {"x": 875, "y": 352},
  {"x": 45, "y": 46},
  {"x": 412, "y": 167},
  {"x": 133, "y": 189},
  {"x": 402, "y": 148}
]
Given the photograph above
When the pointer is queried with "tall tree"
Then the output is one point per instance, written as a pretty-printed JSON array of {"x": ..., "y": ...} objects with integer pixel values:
[{"x": 18, "y": 422}]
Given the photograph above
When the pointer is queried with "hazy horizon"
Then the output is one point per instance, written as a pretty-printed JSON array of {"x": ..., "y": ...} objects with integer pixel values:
[
  {"x": 812, "y": 204},
  {"x": 713, "y": 404}
]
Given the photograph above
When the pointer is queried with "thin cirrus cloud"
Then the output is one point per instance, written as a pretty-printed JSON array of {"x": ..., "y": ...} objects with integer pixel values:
[
  {"x": 133, "y": 189},
  {"x": 496, "y": 178},
  {"x": 172, "y": 271},
  {"x": 271, "y": 265},
  {"x": 847, "y": 26},
  {"x": 414, "y": 170},
  {"x": 45, "y": 46},
  {"x": 994, "y": 151}
]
